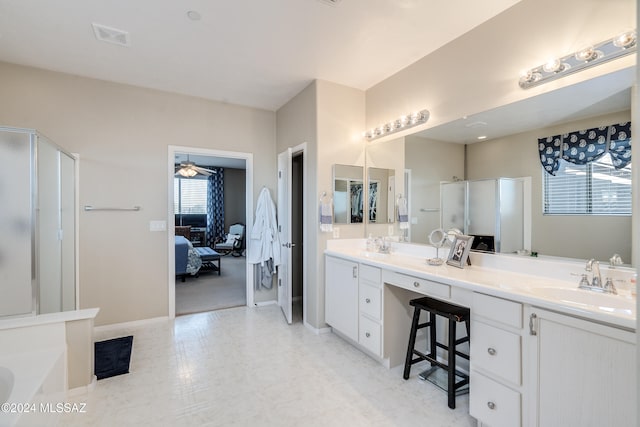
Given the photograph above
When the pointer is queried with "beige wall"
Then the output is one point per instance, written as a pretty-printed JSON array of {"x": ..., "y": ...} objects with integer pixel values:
[
  {"x": 569, "y": 236},
  {"x": 330, "y": 119},
  {"x": 386, "y": 155},
  {"x": 479, "y": 70},
  {"x": 431, "y": 162},
  {"x": 121, "y": 134},
  {"x": 296, "y": 123}
]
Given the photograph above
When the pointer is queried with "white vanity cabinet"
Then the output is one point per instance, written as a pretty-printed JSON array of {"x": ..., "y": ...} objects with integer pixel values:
[
  {"x": 341, "y": 296},
  {"x": 580, "y": 373},
  {"x": 370, "y": 309},
  {"x": 496, "y": 361}
]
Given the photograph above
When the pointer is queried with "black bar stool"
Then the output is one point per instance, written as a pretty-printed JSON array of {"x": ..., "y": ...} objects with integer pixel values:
[{"x": 455, "y": 314}]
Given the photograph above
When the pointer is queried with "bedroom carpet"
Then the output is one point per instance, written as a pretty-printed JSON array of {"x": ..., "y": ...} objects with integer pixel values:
[{"x": 212, "y": 292}]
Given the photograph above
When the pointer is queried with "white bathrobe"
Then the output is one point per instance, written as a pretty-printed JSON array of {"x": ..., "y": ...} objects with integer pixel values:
[{"x": 264, "y": 243}]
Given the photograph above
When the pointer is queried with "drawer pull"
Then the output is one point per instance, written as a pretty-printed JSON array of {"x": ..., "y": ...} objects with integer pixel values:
[
  {"x": 416, "y": 284},
  {"x": 367, "y": 334},
  {"x": 532, "y": 330},
  {"x": 368, "y": 300},
  {"x": 491, "y": 351},
  {"x": 491, "y": 405}
]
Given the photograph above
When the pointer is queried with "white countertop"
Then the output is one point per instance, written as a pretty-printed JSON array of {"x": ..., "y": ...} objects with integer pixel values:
[{"x": 542, "y": 285}]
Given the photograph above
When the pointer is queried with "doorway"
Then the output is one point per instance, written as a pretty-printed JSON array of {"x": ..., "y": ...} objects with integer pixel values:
[
  {"x": 225, "y": 282},
  {"x": 292, "y": 229},
  {"x": 297, "y": 234}
]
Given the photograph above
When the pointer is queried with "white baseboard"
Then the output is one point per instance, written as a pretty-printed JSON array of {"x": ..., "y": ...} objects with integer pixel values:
[
  {"x": 127, "y": 325},
  {"x": 264, "y": 303},
  {"x": 317, "y": 331},
  {"x": 82, "y": 390}
]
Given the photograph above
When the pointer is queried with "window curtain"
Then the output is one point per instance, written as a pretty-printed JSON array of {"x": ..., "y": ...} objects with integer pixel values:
[
  {"x": 215, "y": 206},
  {"x": 620, "y": 144},
  {"x": 585, "y": 146}
]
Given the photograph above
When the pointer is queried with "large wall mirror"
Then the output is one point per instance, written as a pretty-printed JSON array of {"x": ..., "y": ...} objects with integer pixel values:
[
  {"x": 348, "y": 194},
  {"x": 453, "y": 152},
  {"x": 381, "y": 195}
]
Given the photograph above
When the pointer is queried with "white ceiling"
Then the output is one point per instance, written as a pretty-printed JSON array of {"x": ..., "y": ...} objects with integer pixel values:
[
  {"x": 602, "y": 95},
  {"x": 258, "y": 53}
]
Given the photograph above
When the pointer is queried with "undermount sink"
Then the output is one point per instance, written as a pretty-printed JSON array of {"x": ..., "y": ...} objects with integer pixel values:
[{"x": 605, "y": 302}]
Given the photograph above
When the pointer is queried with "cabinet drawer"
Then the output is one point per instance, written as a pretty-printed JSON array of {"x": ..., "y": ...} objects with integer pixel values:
[
  {"x": 423, "y": 286},
  {"x": 370, "y": 301},
  {"x": 370, "y": 335},
  {"x": 370, "y": 275},
  {"x": 496, "y": 351},
  {"x": 492, "y": 403},
  {"x": 498, "y": 309}
]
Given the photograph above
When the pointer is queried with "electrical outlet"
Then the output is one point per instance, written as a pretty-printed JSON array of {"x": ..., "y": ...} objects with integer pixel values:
[
  {"x": 390, "y": 233},
  {"x": 336, "y": 232}
]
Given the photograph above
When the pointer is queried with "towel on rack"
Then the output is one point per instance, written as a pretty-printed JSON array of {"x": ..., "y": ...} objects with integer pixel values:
[
  {"x": 326, "y": 216},
  {"x": 403, "y": 213}
]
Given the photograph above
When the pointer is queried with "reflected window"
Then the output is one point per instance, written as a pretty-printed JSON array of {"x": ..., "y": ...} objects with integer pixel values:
[{"x": 595, "y": 188}]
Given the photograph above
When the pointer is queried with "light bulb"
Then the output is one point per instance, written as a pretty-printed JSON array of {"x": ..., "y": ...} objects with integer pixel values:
[
  {"x": 587, "y": 54},
  {"x": 553, "y": 66},
  {"x": 625, "y": 40}
]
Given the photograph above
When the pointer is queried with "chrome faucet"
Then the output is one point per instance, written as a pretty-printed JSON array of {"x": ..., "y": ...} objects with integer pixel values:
[
  {"x": 593, "y": 266},
  {"x": 384, "y": 247}
]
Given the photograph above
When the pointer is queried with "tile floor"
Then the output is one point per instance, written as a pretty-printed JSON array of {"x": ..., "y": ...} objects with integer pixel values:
[{"x": 246, "y": 367}]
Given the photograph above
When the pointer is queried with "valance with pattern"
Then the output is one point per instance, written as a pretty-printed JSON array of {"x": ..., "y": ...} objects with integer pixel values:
[{"x": 585, "y": 146}]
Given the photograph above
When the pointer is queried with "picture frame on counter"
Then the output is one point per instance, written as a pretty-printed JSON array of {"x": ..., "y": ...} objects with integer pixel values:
[{"x": 459, "y": 252}]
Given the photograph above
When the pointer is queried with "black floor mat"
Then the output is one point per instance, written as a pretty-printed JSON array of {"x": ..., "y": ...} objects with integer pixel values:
[{"x": 112, "y": 357}]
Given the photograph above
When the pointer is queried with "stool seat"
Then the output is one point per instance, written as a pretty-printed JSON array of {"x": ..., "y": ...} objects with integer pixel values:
[
  {"x": 454, "y": 313},
  {"x": 442, "y": 308}
]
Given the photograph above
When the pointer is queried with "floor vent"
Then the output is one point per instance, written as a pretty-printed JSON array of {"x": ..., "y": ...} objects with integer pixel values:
[{"x": 111, "y": 35}]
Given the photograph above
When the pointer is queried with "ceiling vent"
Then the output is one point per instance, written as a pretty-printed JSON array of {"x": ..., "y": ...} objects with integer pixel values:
[
  {"x": 111, "y": 35},
  {"x": 330, "y": 2}
]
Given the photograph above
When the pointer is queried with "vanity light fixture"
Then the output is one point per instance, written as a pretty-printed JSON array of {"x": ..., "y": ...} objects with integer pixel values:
[
  {"x": 621, "y": 45},
  {"x": 401, "y": 123}
]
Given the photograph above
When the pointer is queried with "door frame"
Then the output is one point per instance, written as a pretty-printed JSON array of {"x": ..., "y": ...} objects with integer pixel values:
[
  {"x": 171, "y": 262},
  {"x": 295, "y": 151}
]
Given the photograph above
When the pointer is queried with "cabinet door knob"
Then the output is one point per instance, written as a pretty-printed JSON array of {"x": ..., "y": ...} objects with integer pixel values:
[
  {"x": 416, "y": 284},
  {"x": 368, "y": 300},
  {"x": 367, "y": 334},
  {"x": 491, "y": 405},
  {"x": 491, "y": 351}
]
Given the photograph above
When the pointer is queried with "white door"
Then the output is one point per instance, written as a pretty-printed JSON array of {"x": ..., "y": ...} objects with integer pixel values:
[{"x": 284, "y": 229}]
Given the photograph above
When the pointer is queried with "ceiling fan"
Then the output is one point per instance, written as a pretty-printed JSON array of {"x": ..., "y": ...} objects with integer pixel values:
[{"x": 189, "y": 169}]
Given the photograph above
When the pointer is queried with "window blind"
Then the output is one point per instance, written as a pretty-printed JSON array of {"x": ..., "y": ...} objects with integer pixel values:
[
  {"x": 189, "y": 196},
  {"x": 596, "y": 188}
]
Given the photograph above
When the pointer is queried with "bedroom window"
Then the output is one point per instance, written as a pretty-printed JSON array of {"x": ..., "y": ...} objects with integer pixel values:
[
  {"x": 189, "y": 196},
  {"x": 596, "y": 188}
]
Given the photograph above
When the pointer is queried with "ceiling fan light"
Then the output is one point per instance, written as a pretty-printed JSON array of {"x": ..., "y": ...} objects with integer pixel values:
[{"x": 187, "y": 172}]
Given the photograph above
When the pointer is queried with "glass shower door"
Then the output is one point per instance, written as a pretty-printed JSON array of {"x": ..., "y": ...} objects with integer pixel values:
[{"x": 17, "y": 274}]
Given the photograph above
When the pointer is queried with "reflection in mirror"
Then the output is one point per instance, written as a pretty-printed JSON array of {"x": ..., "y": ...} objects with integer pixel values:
[
  {"x": 348, "y": 194},
  {"x": 452, "y": 151},
  {"x": 381, "y": 197}
]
